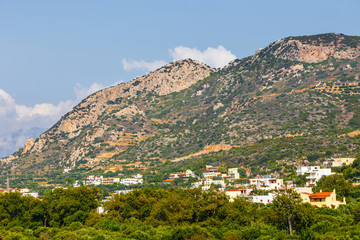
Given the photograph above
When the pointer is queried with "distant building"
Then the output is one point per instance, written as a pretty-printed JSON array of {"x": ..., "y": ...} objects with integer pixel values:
[
  {"x": 94, "y": 180},
  {"x": 233, "y": 173},
  {"x": 306, "y": 169},
  {"x": 110, "y": 181},
  {"x": 315, "y": 175},
  {"x": 169, "y": 181},
  {"x": 123, "y": 191},
  {"x": 210, "y": 168},
  {"x": 338, "y": 162},
  {"x": 233, "y": 193},
  {"x": 131, "y": 181},
  {"x": 265, "y": 199},
  {"x": 322, "y": 199},
  {"x": 211, "y": 174},
  {"x": 32, "y": 194},
  {"x": 24, "y": 190},
  {"x": 208, "y": 182},
  {"x": 267, "y": 183}
]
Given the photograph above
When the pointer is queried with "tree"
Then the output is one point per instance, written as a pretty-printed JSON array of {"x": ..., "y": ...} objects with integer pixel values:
[
  {"x": 291, "y": 214},
  {"x": 337, "y": 182},
  {"x": 64, "y": 206}
]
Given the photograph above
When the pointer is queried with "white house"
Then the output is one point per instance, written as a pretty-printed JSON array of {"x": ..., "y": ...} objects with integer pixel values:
[
  {"x": 207, "y": 183},
  {"x": 315, "y": 175},
  {"x": 131, "y": 181},
  {"x": 306, "y": 169},
  {"x": 33, "y": 194},
  {"x": 123, "y": 191},
  {"x": 94, "y": 180},
  {"x": 267, "y": 183},
  {"x": 265, "y": 199},
  {"x": 211, "y": 174}
]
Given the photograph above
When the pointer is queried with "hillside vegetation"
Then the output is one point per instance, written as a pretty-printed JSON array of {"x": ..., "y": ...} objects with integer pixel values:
[{"x": 296, "y": 100}]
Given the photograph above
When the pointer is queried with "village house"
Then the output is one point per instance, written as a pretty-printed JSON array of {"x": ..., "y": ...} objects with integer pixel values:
[
  {"x": 265, "y": 199},
  {"x": 131, "y": 181},
  {"x": 322, "y": 199},
  {"x": 267, "y": 183},
  {"x": 234, "y": 193},
  {"x": 315, "y": 176},
  {"x": 338, "y": 162},
  {"x": 32, "y": 194},
  {"x": 233, "y": 173},
  {"x": 306, "y": 169},
  {"x": 315, "y": 173},
  {"x": 206, "y": 184},
  {"x": 110, "y": 181},
  {"x": 24, "y": 190},
  {"x": 94, "y": 180},
  {"x": 210, "y": 168}
]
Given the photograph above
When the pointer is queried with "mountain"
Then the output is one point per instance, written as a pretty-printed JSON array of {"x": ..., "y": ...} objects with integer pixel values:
[{"x": 297, "y": 97}]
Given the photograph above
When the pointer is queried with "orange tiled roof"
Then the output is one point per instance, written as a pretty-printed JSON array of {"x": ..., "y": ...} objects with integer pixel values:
[
  {"x": 321, "y": 195},
  {"x": 168, "y": 180}
]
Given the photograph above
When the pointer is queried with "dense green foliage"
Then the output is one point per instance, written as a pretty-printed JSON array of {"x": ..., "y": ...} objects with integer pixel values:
[{"x": 171, "y": 214}]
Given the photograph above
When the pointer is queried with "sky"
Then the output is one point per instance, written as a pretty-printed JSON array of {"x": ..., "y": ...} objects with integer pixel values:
[{"x": 55, "y": 53}]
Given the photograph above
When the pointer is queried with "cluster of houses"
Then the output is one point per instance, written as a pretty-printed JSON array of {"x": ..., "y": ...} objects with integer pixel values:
[
  {"x": 213, "y": 177},
  {"x": 23, "y": 191},
  {"x": 96, "y": 180}
]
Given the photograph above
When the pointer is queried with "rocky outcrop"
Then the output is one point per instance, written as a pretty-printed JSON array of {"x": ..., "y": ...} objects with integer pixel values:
[
  {"x": 173, "y": 77},
  {"x": 313, "y": 51},
  {"x": 28, "y": 145}
]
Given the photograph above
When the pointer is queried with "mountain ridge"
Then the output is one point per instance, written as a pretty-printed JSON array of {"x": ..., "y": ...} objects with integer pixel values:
[{"x": 171, "y": 118}]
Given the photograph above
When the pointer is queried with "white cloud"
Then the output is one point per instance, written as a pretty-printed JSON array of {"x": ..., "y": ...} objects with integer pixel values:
[
  {"x": 82, "y": 92},
  {"x": 214, "y": 57},
  {"x": 149, "y": 66},
  {"x": 20, "y": 122}
]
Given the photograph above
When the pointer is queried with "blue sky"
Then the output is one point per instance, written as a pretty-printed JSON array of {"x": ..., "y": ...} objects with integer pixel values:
[{"x": 53, "y": 53}]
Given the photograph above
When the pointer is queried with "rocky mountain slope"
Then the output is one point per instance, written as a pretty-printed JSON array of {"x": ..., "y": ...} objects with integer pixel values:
[{"x": 295, "y": 87}]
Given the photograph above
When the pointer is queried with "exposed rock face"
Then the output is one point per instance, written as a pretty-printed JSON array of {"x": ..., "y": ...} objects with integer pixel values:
[
  {"x": 173, "y": 77},
  {"x": 247, "y": 101},
  {"x": 130, "y": 111},
  {"x": 312, "y": 51},
  {"x": 28, "y": 145}
]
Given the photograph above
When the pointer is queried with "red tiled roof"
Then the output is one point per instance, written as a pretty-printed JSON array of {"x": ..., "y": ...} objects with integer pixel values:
[{"x": 321, "y": 195}]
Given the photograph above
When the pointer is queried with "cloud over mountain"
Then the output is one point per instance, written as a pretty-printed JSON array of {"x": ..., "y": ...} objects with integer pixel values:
[
  {"x": 22, "y": 122},
  {"x": 214, "y": 57}
]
